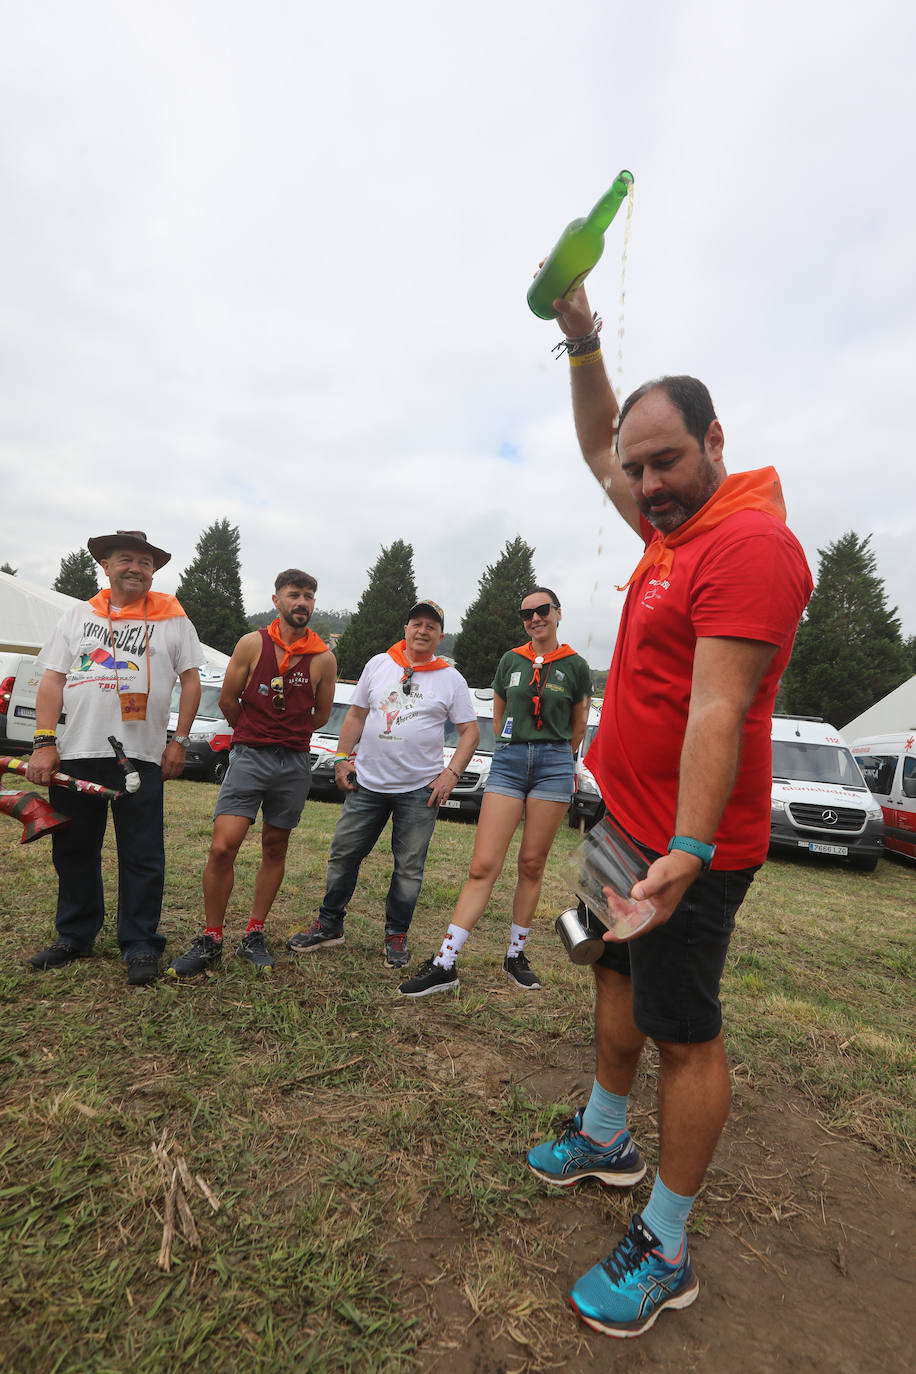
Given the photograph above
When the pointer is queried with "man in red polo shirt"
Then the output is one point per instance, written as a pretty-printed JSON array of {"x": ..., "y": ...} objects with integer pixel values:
[
  {"x": 278, "y": 688},
  {"x": 682, "y": 759}
]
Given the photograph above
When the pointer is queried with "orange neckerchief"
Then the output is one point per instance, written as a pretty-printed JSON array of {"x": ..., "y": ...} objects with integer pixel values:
[
  {"x": 154, "y": 606},
  {"x": 527, "y": 651},
  {"x": 758, "y": 490},
  {"x": 399, "y": 653},
  {"x": 310, "y": 643}
]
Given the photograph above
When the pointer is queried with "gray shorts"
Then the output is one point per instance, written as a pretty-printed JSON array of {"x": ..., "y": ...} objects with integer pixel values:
[{"x": 272, "y": 778}]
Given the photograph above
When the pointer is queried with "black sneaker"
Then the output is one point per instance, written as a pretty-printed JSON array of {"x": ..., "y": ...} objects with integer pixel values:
[
  {"x": 61, "y": 952},
  {"x": 143, "y": 970},
  {"x": 521, "y": 973},
  {"x": 201, "y": 954},
  {"x": 313, "y": 938},
  {"x": 428, "y": 978},
  {"x": 253, "y": 950},
  {"x": 397, "y": 955}
]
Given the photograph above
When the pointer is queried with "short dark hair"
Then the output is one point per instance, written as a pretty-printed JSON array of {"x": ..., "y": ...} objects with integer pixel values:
[
  {"x": 689, "y": 395},
  {"x": 295, "y": 577},
  {"x": 544, "y": 591}
]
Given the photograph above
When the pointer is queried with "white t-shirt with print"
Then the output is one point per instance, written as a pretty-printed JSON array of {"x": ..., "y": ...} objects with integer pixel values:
[
  {"x": 80, "y": 646},
  {"x": 400, "y": 748}
]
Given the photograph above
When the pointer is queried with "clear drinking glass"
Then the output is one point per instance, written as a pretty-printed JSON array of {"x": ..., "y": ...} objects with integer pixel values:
[{"x": 608, "y": 859}]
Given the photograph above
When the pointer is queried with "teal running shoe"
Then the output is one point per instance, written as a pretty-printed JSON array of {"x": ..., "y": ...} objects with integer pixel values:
[
  {"x": 574, "y": 1155},
  {"x": 623, "y": 1295}
]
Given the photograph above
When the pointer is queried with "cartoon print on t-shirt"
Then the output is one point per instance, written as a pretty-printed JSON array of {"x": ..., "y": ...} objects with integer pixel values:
[{"x": 393, "y": 702}]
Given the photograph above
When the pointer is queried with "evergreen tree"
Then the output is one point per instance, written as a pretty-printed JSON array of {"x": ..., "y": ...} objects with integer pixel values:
[
  {"x": 78, "y": 576},
  {"x": 909, "y": 648},
  {"x": 5, "y": 567},
  {"x": 848, "y": 651},
  {"x": 210, "y": 589},
  {"x": 379, "y": 619},
  {"x": 491, "y": 624}
]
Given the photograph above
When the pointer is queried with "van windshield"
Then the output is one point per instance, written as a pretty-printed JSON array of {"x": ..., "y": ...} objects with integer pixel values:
[
  {"x": 209, "y": 701},
  {"x": 794, "y": 761},
  {"x": 335, "y": 720},
  {"x": 487, "y": 742}
]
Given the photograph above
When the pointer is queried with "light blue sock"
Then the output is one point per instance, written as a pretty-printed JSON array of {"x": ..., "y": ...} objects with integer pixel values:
[
  {"x": 666, "y": 1214},
  {"x": 605, "y": 1116}
]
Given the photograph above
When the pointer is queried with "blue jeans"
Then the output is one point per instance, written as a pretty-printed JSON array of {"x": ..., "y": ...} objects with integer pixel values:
[
  {"x": 77, "y": 855},
  {"x": 362, "y": 820}
]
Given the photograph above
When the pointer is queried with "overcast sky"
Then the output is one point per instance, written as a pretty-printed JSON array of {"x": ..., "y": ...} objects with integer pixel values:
[{"x": 269, "y": 262}]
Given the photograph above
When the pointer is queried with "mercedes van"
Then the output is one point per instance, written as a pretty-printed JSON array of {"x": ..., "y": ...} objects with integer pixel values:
[
  {"x": 586, "y": 807},
  {"x": 888, "y": 764},
  {"x": 820, "y": 802},
  {"x": 467, "y": 794}
]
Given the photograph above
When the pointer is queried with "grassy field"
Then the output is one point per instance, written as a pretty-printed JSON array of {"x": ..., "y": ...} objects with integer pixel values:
[{"x": 295, "y": 1138}]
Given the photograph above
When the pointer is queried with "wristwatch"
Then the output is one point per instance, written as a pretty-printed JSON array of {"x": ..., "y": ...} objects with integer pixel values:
[
  {"x": 183, "y": 740},
  {"x": 697, "y": 848}
]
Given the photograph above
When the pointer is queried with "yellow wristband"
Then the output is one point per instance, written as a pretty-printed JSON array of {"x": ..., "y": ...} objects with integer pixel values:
[{"x": 580, "y": 359}]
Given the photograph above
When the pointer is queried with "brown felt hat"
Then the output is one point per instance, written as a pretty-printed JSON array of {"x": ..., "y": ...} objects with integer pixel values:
[{"x": 101, "y": 546}]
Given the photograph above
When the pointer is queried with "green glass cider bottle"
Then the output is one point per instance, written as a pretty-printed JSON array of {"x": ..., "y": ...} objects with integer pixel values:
[{"x": 577, "y": 250}]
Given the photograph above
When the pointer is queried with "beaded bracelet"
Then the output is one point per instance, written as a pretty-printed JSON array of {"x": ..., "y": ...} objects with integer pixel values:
[
  {"x": 580, "y": 359},
  {"x": 585, "y": 343}
]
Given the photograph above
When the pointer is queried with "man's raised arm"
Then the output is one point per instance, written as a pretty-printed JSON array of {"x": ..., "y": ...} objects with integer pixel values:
[{"x": 595, "y": 407}]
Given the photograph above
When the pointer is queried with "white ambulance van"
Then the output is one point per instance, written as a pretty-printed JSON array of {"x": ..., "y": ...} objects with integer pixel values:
[
  {"x": 888, "y": 764},
  {"x": 586, "y": 807},
  {"x": 820, "y": 802}
]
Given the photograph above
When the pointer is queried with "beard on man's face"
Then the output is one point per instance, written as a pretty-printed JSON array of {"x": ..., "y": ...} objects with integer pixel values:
[{"x": 667, "y": 511}]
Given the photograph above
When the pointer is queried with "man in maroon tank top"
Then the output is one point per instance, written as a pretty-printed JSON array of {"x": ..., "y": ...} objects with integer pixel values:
[{"x": 278, "y": 688}]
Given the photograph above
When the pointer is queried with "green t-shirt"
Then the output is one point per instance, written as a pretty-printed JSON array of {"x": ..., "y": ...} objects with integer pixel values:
[{"x": 563, "y": 682}]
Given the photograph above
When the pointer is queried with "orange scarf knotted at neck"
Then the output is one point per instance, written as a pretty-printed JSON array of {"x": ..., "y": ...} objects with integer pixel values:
[
  {"x": 310, "y": 643},
  {"x": 758, "y": 490},
  {"x": 399, "y": 653},
  {"x": 153, "y": 606},
  {"x": 537, "y": 660}
]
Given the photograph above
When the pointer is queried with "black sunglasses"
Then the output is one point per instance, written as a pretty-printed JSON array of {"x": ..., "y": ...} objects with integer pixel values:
[
  {"x": 278, "y": 699},
  {"x": 406, "y": 680},
  {"x": 544, "y": 609}
]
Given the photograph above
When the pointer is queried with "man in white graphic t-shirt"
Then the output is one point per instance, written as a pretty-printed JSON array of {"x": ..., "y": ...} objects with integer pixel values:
[
  {"x": 398, "y": 714},
  {"x": 109, "y": 668}
]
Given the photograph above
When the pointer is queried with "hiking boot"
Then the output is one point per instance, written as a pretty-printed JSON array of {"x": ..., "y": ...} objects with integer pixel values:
[
  {"x": 624, "y": 1294},
  {"x": 574, "y": 1155},
  {"x": 521, "y": 973},
  {"x": 316, "y": 936},
  {"x": 396, "y": 952},
  {"x": 428, "y": 978},
  {"x": 253, "y": 950},
  {"x": 201, "y": 954},
  {"x": 143, "y": 970},
  {"x": 61, "y": 952}
]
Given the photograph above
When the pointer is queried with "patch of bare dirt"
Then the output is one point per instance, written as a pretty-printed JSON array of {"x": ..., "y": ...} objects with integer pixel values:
[{"x": 806, "y": 1255}]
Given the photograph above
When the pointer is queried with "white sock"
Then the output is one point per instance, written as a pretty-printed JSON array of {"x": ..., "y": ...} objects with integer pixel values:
[
  {"x": 517, "y": 937},
  {"x": 451, "y": 947}
]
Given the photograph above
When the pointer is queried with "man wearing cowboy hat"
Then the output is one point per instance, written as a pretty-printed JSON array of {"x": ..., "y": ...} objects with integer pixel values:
[{"x": 109, "y": 669}]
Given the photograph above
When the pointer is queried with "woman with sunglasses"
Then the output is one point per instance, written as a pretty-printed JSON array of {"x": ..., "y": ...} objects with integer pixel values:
[{"x": 541, "y": 696}]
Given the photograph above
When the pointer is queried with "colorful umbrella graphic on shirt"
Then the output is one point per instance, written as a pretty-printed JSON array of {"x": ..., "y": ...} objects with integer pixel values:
[{"x": 104, "y": 660}]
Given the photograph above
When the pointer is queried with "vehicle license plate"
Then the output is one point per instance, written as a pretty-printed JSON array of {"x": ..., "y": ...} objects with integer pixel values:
[
  {"x": 25, "y": 712},
  {"x": 455, "y": 804},
  {"x": 828, "y": 849}
]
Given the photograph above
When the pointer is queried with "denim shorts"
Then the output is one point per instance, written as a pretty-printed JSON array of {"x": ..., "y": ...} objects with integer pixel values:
[
  {"x": 272, "y": 778},
  {"x": 545, "y": 771},
  {"x": 676, "y": 968}
]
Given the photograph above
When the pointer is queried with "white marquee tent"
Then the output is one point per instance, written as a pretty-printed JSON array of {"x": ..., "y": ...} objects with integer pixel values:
[{"x": 891, "y": 715}]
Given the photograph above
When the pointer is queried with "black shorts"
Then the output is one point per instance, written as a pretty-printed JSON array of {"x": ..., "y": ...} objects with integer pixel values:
[{"x": 676, "y": 968}]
